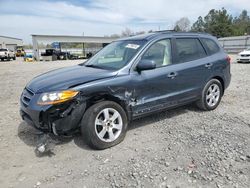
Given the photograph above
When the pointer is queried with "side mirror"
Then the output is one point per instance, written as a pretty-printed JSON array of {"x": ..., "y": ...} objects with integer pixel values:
[{"x": 145, "y": 64}]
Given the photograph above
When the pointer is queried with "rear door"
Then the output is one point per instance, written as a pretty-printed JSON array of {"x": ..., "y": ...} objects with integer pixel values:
[{"x": 191, "y": 67}]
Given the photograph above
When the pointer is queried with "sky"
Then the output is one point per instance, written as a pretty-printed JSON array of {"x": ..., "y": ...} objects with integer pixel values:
[{"x": 21, "y": 18}]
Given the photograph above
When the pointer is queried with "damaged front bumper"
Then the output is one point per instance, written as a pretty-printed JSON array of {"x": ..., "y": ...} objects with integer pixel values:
[{"x": 61, "y": 119}]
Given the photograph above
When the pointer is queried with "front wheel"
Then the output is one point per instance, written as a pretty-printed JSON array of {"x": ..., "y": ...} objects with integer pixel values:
[
  {"x": 104, "y": 125},
  {"x": 211, "y": 95}
]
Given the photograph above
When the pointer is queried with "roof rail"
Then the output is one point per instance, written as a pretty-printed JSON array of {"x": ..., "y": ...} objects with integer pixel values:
[
  {"x": 165, "y": 31},
  {"x": 181, "y": 32}
]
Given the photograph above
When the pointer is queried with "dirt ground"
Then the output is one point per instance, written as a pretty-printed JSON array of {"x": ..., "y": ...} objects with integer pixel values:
[{"x": 183, "y": 147}]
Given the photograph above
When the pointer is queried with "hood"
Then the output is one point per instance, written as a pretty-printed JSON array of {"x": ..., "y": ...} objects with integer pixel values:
[
  {"x": 245, "y": 52},
  {"x": 67, "y": 77}
]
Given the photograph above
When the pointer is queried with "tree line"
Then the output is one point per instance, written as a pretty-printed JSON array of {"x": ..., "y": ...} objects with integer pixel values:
[{"x": 222, "y": 24}]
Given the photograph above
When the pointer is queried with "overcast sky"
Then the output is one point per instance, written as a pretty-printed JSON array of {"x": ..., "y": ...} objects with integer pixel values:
[{"x": 21, "y": 18}]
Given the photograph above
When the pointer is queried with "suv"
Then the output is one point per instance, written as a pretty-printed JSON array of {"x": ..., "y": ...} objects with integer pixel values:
[
  {"x": 7, "y": 54},
  {"x": 127, "y": 79}
]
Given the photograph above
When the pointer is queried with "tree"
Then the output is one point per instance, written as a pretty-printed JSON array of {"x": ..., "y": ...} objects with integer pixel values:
[
  {"x": 241, "y": 24},
  {"x": 198, "y": 25},
  {"x": 182, "y": 24},
  {"x": 115, "y": 35},
  {"x": 127, "y": 32},
  {"x": 140, "y": 32},
  {"x": 216, "y": 22},
  {"x": 177, "y": 28}
]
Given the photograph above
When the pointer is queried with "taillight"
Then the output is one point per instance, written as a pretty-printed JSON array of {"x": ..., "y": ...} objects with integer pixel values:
[{"x": 228, "y": 59}]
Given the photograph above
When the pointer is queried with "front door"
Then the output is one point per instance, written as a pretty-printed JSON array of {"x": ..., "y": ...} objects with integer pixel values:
[{"x": 153, "y": 88}]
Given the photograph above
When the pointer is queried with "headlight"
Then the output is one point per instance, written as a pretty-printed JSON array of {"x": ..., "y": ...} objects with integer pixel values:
[{"x": 56, "y": 97}]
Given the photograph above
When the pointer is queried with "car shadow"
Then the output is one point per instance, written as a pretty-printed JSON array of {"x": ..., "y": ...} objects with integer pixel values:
[
  {"x": 80, "y": 142},
  {"x": 241, "y": 62},
  {"x": 31, "y": 136},
  {"x": 28, "y": 134}
]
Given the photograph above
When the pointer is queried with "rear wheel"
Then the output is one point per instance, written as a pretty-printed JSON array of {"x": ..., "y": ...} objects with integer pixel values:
[
  {"x": 104, "y": 125},
  {"x": 211, "y": 95},
  {"x": 14, "y": 58}
]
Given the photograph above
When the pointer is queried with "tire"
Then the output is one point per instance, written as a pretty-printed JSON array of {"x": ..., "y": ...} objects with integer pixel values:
[
  {"x": 8, "y": 58},
  {"x": 96, "y": 129},
  {"x": 211, "y": 95},
  {"x": 14, "y": 58}
]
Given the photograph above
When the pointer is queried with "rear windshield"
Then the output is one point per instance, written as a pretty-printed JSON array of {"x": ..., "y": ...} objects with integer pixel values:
[{"x": 3, "y": 50}]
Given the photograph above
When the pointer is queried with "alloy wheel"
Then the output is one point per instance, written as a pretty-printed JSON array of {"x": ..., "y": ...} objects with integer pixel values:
[
  {"x": 108, "y": 125},
  {"x": 213, "y": 95}
]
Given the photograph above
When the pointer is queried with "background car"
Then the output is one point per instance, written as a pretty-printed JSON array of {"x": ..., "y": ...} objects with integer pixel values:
[
  {"x": 7, "y": 54},
  {"x": 20, "y": 52},
  {"x": 244, "y": 56},
  {"x": 28, "y": 58}
]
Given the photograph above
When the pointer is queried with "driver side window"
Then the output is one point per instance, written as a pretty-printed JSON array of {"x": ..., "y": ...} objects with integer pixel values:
[{"x": 160, "y": 53}]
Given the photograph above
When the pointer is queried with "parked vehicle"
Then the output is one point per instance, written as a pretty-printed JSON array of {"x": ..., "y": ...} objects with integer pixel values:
[
  {"x": 28, "y": 58},
  {"x": 20, "y": 52},
  {"x": 128, "y": 79},
  {"x": 7, "y": 54},
  {"x": 52, "y": 53},
  {"x": 56, "y": 54},
  {"x": 244, "y": 56}
]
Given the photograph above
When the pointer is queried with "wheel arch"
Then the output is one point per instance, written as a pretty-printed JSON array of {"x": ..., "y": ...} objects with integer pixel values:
[
  {"x": 221, "y": 81},
  {"x": 108, "y": 97}
]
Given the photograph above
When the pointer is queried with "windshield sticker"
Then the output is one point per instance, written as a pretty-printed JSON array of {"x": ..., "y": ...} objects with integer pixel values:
[{"x": 133, "y": 46}]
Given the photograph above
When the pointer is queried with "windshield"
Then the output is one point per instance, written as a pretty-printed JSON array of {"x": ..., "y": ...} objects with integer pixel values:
[
  {"x": 3, "y": 50},
  {"x": 116, "y": 55}
]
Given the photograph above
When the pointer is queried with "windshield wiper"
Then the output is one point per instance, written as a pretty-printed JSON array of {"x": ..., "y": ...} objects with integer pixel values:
[{"x": 93, "y": 66}]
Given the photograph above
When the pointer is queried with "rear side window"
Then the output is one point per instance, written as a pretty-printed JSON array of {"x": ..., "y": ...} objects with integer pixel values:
[
  {"x": 211, "y": 46},
  {"x": 189, "y": 49}
]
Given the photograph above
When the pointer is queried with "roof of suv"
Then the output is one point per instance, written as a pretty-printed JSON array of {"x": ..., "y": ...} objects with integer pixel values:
[{"x": 153, "y": 35}]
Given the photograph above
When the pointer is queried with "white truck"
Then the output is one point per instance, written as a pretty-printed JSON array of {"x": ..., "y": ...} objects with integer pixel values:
[{"x": 7, "y": 54}]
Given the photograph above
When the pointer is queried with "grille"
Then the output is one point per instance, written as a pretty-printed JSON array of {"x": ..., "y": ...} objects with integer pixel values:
[
  {"x": 27, "y": 96},
  {"x": 245, "y": 55}
]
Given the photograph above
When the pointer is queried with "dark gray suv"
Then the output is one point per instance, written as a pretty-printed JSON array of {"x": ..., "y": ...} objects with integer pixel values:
[{"x": 128, "y": 79}]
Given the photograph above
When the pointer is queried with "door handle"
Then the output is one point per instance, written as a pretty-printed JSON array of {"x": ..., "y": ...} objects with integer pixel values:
[
  {"x": 208, "y": 65},
  {"x": 172, "y": 75}
]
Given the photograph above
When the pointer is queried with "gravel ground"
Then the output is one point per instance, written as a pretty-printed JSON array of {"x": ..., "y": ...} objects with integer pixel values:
[{"x": 183, "y": 147}]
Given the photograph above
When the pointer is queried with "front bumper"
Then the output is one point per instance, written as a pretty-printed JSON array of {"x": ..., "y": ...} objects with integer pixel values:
[
  {"x": 3, "y": 56},
  {"x": 61, "y": 119},
  {"x": 243, "y": 59}
]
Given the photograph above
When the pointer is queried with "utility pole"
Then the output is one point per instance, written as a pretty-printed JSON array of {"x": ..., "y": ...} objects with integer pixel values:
[{"x": 83, "y": 47}]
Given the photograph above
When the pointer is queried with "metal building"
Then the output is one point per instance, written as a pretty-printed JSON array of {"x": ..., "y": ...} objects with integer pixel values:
[
  {"x": 10, "y": 42},
  {"x": 235, "y": 44},
  {"x": 66, "y": 39}
]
